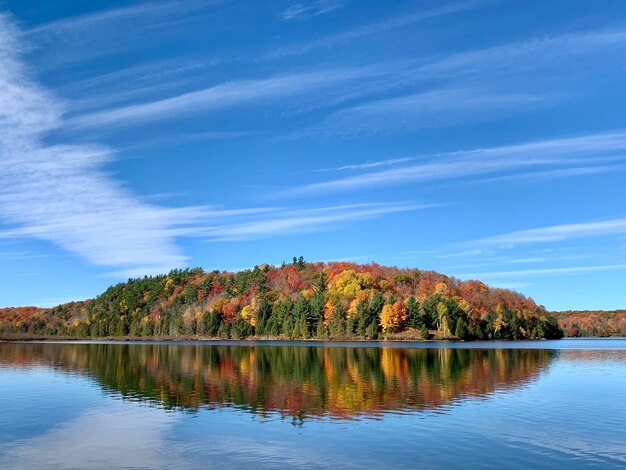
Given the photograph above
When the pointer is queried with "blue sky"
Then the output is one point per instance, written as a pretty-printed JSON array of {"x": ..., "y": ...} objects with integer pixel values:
[{"x": 482, "y": 139}]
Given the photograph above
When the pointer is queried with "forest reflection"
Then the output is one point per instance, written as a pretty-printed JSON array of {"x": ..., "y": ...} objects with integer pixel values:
[{"x": 300, "y": 382}]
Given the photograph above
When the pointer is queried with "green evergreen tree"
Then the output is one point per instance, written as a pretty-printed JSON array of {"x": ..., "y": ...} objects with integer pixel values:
[
  {"x": 460, "y": 331},
  {"x": 337, "y": 323},
  {"x": 372, "y": 330},
  {"x": 431, "y": 315},
  {"x": 241, "y": 328},
  {"x": 321, "y": 330},
  {"x": 264, "y": 311},
  {"x": 315, "y": 311},
  {"x": 361, "y": 317},
  {"x": 287, "y": 328},
  {"x": 375, "y": 307},
  {"x": 210, "y": 323},
  {"x": 224, "y": 331},
  {"x": 414, "y": 318},
  {"x": 304, "y": 327},
  {"x": 351, "y": 324}
]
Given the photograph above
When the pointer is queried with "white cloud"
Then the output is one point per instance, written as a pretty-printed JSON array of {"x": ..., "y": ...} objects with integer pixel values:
[
  {"x": 424, "y": 110},
  {"x": 560, "y": 153},
  {"x": 301, "y": 11},
  {"x": 483, "y": 84},
  {"x": 480, "y": 84},
  {"x": 216, "y": 97},
  {"x": 372, "y": 29},
  {"x": 62, "y": 194},
  {"x": 557, "y": 233},
  {"x": 364, "y": 166},
  {"x": 543, "y": 271},
  {"x": 305, "y": 220},
  {"x": 530, "y": 54},
  {"x": 87, "y": 21},
  {"x": 101, "y": 32},
  {"x": 143, "y": 81},
  {"x": 555, "y": 174}
]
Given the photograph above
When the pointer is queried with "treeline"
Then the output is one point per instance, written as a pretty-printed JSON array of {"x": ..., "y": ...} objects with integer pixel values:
[
  {"x": 588, "y": 323},
  {"x": 299, "y": 300}
]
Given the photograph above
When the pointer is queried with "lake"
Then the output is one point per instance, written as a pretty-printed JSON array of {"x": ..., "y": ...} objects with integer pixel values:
[{"x": 535, "y": 404}]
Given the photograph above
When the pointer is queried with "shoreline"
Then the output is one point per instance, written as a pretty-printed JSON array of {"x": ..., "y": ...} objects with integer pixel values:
[{"x": 264, "y": 339}]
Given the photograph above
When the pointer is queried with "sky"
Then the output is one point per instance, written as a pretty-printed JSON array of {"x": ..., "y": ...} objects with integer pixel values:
[{"x": 484, "y": 139}]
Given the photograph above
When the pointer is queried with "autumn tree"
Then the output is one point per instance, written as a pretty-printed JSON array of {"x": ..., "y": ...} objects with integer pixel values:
[
  {"x": 290, "y": 301},
  {"x": 393, "y": 316}
]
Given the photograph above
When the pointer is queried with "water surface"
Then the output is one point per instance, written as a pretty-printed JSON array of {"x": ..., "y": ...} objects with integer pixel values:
[{"x": 544, "y": 404}]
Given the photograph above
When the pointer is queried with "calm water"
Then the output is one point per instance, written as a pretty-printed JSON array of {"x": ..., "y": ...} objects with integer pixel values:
[{"x": 519, "y": 405}]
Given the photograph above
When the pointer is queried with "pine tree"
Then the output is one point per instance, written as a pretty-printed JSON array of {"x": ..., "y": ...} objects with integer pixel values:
[
  {"x": 461, "y": 328},
  {"x": 414, "y": 319},
  {"x": 321, "y": 330},
  {"x": 372, "y": 330},
  {"x": 337, "y": 323}
]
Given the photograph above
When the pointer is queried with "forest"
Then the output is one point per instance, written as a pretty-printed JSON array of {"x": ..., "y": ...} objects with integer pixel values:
[
  {"x": 587, "y": 323},
  {"x": 297, "y": 300}
]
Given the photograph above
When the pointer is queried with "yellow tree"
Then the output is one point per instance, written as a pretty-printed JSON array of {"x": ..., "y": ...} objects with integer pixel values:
[
  {"x": 444, "y": 319},
  {"x": 349, "y": 283},
  {"x": 393, "y": 316},
  {"x": 248, "y": 313}
]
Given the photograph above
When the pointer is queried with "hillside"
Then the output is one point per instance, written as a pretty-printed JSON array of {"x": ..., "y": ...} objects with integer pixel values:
[
  {"x": 337, "y": 300},
  {"x": 581, "y": 323}
]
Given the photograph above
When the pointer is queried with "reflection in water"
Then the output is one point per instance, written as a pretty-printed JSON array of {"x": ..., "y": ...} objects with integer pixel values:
[{"x": 296, "y": 381}]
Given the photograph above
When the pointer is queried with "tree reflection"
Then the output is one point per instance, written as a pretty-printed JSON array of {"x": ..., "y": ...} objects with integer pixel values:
[{"x": 297, "y": 381}]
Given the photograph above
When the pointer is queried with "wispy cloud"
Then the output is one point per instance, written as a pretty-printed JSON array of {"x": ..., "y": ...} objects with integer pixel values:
[
  {"x": 534, "y": 53},
  {"x": 365, "y": 166},
  {"x": 62, "y": 194},
  {"x": 424, "y": 110},
  {"x": 17, "y": 255},
  {"x": 134, "y": 83},
  {"x": 469, "y": 164},
  {"x": 287, "y": 222},
  {"x": 79, "y": 23},
  {"x": 216, "y": 97},
  {"x": 157, "y": 70},
  {"x": 106, "y": 31},
  {"x": 561, "y": 173},
  {"x": 543, "y": 271},
  {"x": 186, "y": 138},
  {"x": 301, "y": 11},
  {"x": 481, "y": 85},
  {"x": 372, "y": 29},
  {"x": 557, "y": 233},
  {"x": 498, "y": 80}
]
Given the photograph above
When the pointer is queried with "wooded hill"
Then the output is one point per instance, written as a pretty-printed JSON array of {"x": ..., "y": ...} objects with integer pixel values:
[
  {"x": 581, "y": 323},
  {"x": 299, "y": 300}
]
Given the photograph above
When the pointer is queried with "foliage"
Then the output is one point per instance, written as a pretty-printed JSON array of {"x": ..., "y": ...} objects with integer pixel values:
[
  {"x": 296, "y": 300},
  {"x": 592, "y": 323}
]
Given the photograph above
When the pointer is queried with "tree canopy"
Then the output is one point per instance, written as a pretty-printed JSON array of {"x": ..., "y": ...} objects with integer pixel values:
[{"x": 299, "y": 300}]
